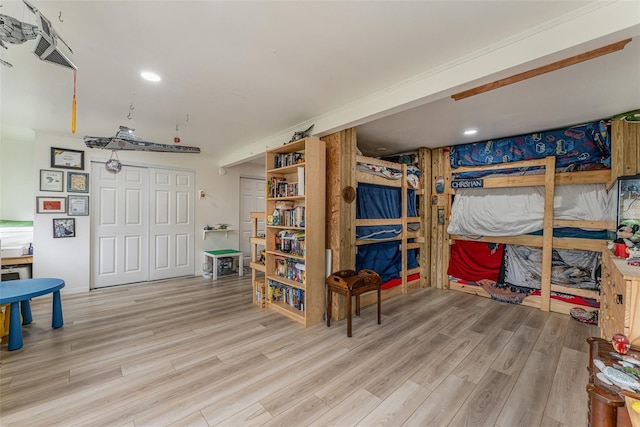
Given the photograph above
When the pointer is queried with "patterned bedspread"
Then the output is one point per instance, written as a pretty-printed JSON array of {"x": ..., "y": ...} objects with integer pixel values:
[{"x": 583, "y": 144}]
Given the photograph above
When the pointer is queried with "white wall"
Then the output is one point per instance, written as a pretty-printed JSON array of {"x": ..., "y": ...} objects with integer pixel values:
[
  {"x": 69, "y": 258},
  {"x": 16, "y": 175},
  {"x": 66, "y": 258}
]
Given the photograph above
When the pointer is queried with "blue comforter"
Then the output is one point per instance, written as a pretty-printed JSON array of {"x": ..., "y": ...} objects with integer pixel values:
[
  {"x": 578, "y": 145},
  {"x": 377, "y": 202}
]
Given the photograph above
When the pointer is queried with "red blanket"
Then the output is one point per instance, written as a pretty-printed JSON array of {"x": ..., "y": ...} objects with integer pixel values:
[
  {"x": 395, "y": 282},
  {"x": 474, "y": 261}
]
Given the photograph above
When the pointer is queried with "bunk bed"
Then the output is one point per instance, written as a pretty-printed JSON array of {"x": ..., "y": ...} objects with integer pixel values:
[
  {"x": 346, "y": 180},
  {"x": 387, "y": 225},
  {"x": 530, "y": 215}
]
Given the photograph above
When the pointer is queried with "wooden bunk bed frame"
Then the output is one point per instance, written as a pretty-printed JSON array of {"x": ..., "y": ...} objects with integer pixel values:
[
  {"x": 547, "y": 242},
  {"x": 404, "y": 220},
  {"x": 342, "y": 180},
  {"x": 624, "y": 145}
]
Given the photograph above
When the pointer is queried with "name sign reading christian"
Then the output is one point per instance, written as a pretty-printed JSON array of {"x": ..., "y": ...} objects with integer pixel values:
[{"x": 469, "y": 183}]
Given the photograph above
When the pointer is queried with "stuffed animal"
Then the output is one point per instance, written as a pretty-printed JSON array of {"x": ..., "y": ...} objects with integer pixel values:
[{"x": 624, "y": 234}]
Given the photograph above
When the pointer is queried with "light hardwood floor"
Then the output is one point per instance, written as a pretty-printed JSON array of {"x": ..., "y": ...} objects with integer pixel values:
[{"x": 196, "y": 352}]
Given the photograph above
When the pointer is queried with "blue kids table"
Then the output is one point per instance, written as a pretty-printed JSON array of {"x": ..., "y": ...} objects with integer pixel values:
[{"x": 21, "y": 291}]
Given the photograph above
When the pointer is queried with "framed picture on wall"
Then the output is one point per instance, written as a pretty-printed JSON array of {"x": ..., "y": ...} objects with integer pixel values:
[
  {"x": 64, "y": 227},
  {"x": 51, "y": 180},
  {"x": 77, "y": 182},
  {"x": 67, "y": 159},
  {"x": 51, "y": 204},
  {"x": 77, "y": 205}
]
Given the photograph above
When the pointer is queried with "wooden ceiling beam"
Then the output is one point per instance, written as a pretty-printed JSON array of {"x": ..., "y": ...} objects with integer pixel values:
[{"x": 542, "y": 70}]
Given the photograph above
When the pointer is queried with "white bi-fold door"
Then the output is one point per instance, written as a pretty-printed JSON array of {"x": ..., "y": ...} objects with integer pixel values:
[
  {"x": 142, "y": 225},
  {"x": 119, "y": 225},
  {"x": 171, "y": 227}
]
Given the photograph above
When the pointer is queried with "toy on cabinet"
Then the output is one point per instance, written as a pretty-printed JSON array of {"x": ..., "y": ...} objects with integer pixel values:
[
  {"x": 629, "y": 208},
  {"x": 628, "y": 231}
]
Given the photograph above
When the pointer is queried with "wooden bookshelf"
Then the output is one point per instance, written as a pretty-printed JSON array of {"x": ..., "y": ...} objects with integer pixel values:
[
  {"x": 257, "y": 268},
  {"x": 295, "y": 230}
]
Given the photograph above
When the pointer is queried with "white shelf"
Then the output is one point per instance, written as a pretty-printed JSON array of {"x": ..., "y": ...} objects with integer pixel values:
[{"x": 225, "y": 230}]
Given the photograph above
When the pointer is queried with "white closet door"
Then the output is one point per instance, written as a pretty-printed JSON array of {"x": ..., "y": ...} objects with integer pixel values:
[
  {"x": 119, "y": 225},
  {"x": 252, "y": 193},
  {"x": 171, "y": 226}
]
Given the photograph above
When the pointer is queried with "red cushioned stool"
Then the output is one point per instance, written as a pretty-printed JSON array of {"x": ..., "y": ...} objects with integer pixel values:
[{"x": 348, "y": 283}]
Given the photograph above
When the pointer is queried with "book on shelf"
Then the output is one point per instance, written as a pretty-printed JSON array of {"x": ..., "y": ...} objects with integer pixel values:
[
  {"x": 291, "y": 241},
  {"x": 287, "y": 216},
  {"x": 280, "y": 187},
  {"x": 300, "y": 181},
  {"x": 279, "y": 292},
  {"x": 287, "y": 159},
  {"x": 289, "y": 268}
]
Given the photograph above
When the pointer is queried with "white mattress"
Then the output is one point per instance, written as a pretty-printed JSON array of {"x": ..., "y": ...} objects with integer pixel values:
[{"x": 515, "y": 211}]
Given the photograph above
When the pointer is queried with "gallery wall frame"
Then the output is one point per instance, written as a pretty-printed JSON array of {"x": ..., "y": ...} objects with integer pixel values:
[
  {"x": 51, "y": 180},
  {"x": 65, "y": 158},
  {"x": 77, "y": 205},
  {"x": 77, "y": 182},
  {"x": 51, "y": 204},
  {"x": 64, "y": 227}
]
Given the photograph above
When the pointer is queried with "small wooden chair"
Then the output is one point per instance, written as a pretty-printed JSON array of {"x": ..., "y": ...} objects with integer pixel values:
[{"x": 348, "y": 283}]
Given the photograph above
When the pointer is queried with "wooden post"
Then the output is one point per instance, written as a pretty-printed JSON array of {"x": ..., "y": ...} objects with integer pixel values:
[
  {"x": 424, "y": 163},
  {"x": 631, "y": 144},
  {"x": 439, "y": 218},
  {"x": 257, "y": 282},
  {"x": 403, "y": 236},
  {"x": 625, "y": 149},
  {"x": 547, "y": 233},
  {"x": 448, "y": 194},
  {"x": 617, "y": 149},
  {"x": 340, "y": 214}
]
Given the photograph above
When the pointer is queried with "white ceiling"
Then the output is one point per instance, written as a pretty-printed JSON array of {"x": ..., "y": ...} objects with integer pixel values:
[{"x": 248, "y": 74}]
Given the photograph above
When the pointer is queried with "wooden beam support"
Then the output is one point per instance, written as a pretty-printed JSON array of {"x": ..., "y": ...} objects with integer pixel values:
[
  {"x": 547, "y": 233},
  {"x": 542, "y": 70},
  {"x": 340, "y": 215},
  {"x": 439, "y": 205},
  {"x": 424, "y": 251}
]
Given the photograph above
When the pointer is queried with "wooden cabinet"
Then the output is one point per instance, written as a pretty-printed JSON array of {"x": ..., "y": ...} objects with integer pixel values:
[
  {"x": 257, "y": 263},
  {"x": 620, "y": 298},
  {"x": 295, "y": 230},
  {"x": 25, "y": 259},
  {"x": 607, "y": 403}
]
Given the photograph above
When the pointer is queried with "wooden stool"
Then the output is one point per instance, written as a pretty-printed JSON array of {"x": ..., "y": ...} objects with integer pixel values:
[{"x": 347, "y": 283}]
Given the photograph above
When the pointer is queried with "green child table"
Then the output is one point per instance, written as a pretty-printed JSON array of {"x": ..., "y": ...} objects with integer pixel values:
[{"x": 223, "y": 253}]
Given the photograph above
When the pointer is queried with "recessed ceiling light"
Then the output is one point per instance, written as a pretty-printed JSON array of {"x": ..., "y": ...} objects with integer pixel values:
[
  {"x": 471, "y": 131},
  {"x": 152, "y": 77}
]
